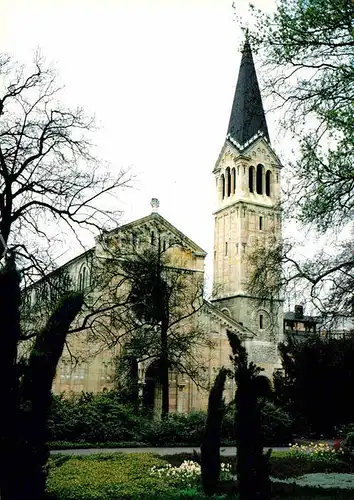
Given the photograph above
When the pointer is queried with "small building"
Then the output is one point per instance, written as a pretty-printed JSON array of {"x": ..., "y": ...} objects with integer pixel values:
[{"x": 298, "y": 325}]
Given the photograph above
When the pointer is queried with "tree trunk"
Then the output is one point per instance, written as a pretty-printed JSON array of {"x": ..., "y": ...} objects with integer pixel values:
[
  {"x": 36, "y": 396},
  {"x": 26, "y": 391},
  {"x": 133, "y": 382},
  {"x": 252, "y": 464},
  {"x": 210, "y": 446},
  {"x": 252, "y": 467},
  {"x": 9, "y": 338},
  {"x": 164, "y": 367}
]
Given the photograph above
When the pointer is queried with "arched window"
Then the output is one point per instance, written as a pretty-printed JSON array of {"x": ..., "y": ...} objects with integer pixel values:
[
  {"x": 225, "y": 248},
  {"x": 225, "y": 310},
  {"x": 152, "y": 236},
  {"x": 268, "y": 179},
  {"x": 228, "y": 181},
  {"x": 233, "y": 180},
  {"x": 251, "y": 179},
  {"x": 84, "y": 277},
  {"x": 223, "y": 186},
  {"x": 259, "y": 180}
]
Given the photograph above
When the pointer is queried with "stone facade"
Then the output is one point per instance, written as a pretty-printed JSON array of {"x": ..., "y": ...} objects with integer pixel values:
[
  {"x": 247, "y": 215},
  {"x": 87, "y": 366}
]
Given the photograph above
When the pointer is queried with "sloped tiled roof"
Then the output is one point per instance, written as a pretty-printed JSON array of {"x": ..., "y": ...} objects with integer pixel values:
[{"x": 247, "y": 120}]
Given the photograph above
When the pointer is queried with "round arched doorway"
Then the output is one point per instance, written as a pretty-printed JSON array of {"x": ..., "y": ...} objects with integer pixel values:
[{"x": 152, "y": 392}]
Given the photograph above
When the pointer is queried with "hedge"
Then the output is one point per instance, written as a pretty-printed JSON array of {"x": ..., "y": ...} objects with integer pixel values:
[{"x": 101, "y": 419}]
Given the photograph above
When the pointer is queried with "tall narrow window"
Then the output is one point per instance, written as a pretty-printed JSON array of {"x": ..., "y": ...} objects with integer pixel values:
[
  {"x": 164, "y": 245},
  {"x": 233, "y": 180},
  {"x": 228, "y": 181},
  {"x": 251, "y": 179},
  {"x": 259, "y": 179},
  {"x": 225, "y": 248},
  {"x": 268, "y": 179},
  {"x": 84, "y": 277},
  {"x": 152, "y": 238},
  {"x": 261, "y": 324},
  {"x": 223, "y": 186},
  {"x": 261, "y": 223}
]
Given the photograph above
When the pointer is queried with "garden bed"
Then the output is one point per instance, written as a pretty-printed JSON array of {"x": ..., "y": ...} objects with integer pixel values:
[{"x": 121, "y": 476}]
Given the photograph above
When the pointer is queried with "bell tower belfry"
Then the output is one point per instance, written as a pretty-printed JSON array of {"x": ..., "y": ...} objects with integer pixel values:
[{"x": 247, "y": 175}]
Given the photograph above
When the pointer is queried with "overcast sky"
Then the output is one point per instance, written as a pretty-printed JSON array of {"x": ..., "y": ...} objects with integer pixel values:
[{"x": 160, "y": 78}]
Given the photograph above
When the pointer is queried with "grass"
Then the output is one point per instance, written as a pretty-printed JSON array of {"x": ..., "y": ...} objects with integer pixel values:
[
  {"x": 105, "y": 477},
  {"x": 120, "y": 476}
]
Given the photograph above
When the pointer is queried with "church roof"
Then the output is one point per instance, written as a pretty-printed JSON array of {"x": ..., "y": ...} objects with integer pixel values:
[
  {"x": 158, "y": 219},
  {"x": 247, "y": 120},
  {"x": 227, "y": 321}
]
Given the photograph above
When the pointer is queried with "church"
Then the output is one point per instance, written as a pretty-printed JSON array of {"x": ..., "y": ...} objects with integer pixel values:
[{"x": 247, "y": 183}]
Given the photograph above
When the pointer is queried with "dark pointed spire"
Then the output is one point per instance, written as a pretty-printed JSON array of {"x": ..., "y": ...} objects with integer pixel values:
[{"x": 247, "y": 115}]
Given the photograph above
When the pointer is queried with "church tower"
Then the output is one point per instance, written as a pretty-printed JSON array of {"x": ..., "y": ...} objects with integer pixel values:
[{"x": 247, "y": 175}]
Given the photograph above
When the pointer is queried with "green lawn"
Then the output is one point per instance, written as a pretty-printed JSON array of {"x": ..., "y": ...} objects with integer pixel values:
[
  {"x": 126, "y": 477},
  {"x": 102, "y": 477}
]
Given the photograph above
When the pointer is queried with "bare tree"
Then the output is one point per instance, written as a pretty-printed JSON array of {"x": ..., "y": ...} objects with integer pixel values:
[
  {"x": 50, "y": 181},
  {"x": 152, "y": 302},
  {"x": 324, "y": 281}
]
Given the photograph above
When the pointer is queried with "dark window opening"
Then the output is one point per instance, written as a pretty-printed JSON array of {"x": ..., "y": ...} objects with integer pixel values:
[
  {"x": 251, "y": 179},
  {"x": 261, "y": 326},
  {"x": 164, "y": 245},
  {"x": 260, "y": 223},
  {"x": 268, "y": 178},
  {"x": 233, "y": 181},
  {"x": 259, "y": 180},
  {"x": 223, "y": 186},
  {"x": 152, "y": 238},
  {"x": 228, "y": 173},
  {"x": 84, "y": 278},
  {"x": 226, "y": 248}
]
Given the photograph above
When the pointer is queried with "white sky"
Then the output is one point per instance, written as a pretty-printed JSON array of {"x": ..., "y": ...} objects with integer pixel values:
[{"x": 160, "y": 78}]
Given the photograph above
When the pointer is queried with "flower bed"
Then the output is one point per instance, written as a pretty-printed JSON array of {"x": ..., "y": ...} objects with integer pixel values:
[
  {"x": 317, "y": 451},
  {"x": 187, "y": 474},
  {"x": 143, "y": 476}
]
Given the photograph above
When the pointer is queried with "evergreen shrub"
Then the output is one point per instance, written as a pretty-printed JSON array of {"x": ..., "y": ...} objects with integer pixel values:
[{"x": 101, "y": 420}]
